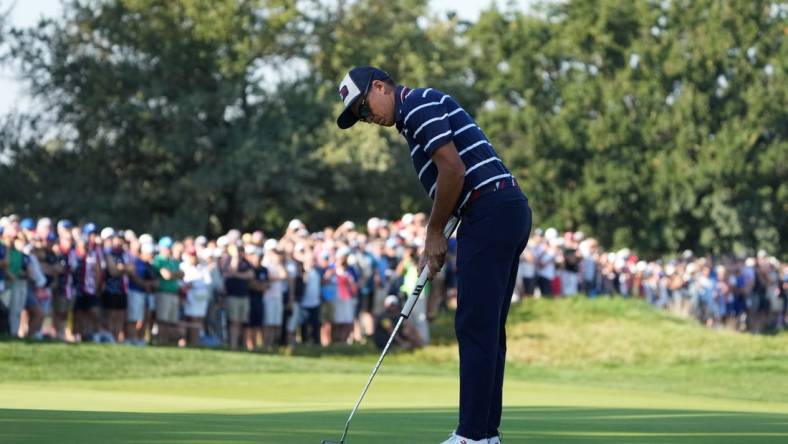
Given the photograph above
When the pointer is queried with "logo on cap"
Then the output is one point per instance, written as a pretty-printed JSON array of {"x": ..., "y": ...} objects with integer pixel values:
[{"x": 343, "y": 92}]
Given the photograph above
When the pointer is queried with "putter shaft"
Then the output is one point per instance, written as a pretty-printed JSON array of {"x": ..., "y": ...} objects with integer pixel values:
[{"x": 407, "y": 308}]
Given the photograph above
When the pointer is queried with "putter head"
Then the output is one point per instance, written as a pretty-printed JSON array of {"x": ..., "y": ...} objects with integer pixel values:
[{"x": 332, "y": 442}]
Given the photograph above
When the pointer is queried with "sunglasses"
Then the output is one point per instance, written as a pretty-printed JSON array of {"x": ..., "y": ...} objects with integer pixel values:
[{"x": 364, "y": 113}]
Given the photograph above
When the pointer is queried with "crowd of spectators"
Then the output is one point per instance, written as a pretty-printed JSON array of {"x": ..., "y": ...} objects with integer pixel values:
[
  {"x": 334, "y": 286},
  {"x": 734, "y": 291}
]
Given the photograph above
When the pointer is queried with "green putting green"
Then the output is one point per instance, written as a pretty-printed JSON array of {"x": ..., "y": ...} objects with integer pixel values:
[
  {"x": 308, "y": 407},
  {"x": 603, "y": 371}
]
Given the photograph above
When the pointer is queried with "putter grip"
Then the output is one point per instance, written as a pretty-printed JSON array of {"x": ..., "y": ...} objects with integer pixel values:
[{"x": 422, "y": 281}]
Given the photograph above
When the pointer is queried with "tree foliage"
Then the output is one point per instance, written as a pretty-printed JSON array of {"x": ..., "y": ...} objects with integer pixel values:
[{"x": 653, "y": 125}]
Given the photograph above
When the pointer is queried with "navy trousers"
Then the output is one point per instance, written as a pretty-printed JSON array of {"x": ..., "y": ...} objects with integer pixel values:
[{"x": 491, "y": 237}]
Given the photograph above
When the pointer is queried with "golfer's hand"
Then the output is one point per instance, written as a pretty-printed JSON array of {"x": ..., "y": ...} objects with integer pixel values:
[{"x": 435, "y": 247}]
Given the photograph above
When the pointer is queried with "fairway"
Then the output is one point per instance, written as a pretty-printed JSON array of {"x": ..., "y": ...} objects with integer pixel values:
[{"x": 307, "y": 408}]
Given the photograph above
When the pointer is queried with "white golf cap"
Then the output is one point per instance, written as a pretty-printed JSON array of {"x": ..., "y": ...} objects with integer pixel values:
[
  {"x": 295, "y": 224},
  {"x": 390, "y": 300},
  {"x": 222, "y": 241},
  {"x": 107, "y": 233},
  {"x": 270, "y": 244}
]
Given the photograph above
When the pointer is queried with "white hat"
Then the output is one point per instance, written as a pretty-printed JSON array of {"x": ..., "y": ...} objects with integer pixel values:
[
  {"x": 551, "y": 233},
  {"x": 390, "y": 300},
  {"x": 373, "y": 223},
  {"x": 624, "y": 253},
  {"x": 107, "y": 233},
  {"x": 407, "y": 218},
  {"x": 295, "y": 224},
  {"x": 348, "y": 225},
  {"x": 146, "y": 238},
  {"x": 270, "y": 244},
  {"x": 222, "y": 241}
]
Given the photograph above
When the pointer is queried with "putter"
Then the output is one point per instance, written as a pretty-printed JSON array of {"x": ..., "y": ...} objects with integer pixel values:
[{"x": 406, "y": 309}]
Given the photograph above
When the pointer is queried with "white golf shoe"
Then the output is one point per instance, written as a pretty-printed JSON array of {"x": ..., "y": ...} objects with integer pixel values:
[
  {"x": 457, "y": 439},
  {"x": 494, "y": 440}
]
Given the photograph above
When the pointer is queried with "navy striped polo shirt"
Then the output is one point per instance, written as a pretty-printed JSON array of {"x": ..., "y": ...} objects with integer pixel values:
[{"x": 430, "y": 119}]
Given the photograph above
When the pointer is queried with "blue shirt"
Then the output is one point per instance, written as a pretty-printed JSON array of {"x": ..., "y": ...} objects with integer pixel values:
[
  {"x": 328, "y": 291},
  {"x": 260, "y": 275},
  {"x": 235, "y": 286},
  {"x": 144, "y": 271},
  {"x": 429, "y": 119}
]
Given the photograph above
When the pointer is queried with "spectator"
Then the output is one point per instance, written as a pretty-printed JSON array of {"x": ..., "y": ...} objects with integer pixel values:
[
  {"x": 569, "y": 278},
  {"x": 39, "y": 297},
  {"x": 328, "y": 292},
  {"x": 167, "y": 297},
  {"x": 526, "y": 273},
  {"x": 344, "y": 305},
  {"x": 257, "y": 287},
  {"x": 336, "y": 276},
  {"x": 409, "y": 270},
  {"x": 63, "y": 291},
  {"x": 274, "y": 296},
  {"x": 51, "y": 269},
  {"x": 588, "y": 265},
  {"x": 545, "y": 268},
  {"x": 143, "y": 281},
  {"x": 116, "y": 282},
  {"x": 407, "y": 338},
  {"x": 310, "y": 304},
  {"x": 197, "y": 281},
  {"x": 365, "y": 263},
  {"x": 237, "y": 273},
  {"x": 89, "y": 276},
  {"x": 293, "y": 294}
]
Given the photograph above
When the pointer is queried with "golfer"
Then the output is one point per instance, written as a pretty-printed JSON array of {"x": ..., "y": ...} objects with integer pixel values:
[{"x": 461, "y": 172}]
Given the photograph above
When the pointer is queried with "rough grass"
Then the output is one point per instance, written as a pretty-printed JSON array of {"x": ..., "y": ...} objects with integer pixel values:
[{"x": 613, "y": 343}]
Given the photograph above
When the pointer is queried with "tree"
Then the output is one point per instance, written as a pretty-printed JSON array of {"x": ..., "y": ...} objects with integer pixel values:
[
  {"x": 165, "y": 104},
  {"x": 657, "y": 126},
  {"x": 627, "y": 121}
]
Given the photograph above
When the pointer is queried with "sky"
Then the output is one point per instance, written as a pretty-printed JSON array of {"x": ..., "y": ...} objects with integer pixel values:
[{"x": 27, "y": 12}]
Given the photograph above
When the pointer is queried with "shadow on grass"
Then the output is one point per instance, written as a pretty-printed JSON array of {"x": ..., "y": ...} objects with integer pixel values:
[{"x": 530, "y": 425}]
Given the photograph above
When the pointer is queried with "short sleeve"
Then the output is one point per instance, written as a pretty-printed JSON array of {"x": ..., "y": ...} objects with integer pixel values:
[{"x": 428, "y": 120}]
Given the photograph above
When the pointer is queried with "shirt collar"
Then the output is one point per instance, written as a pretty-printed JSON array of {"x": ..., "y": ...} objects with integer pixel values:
[{"x": 401, "y": 92}]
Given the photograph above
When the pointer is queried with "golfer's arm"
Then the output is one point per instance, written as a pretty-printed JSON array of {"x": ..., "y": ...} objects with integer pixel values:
[{"x": 451, "y": 175}]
